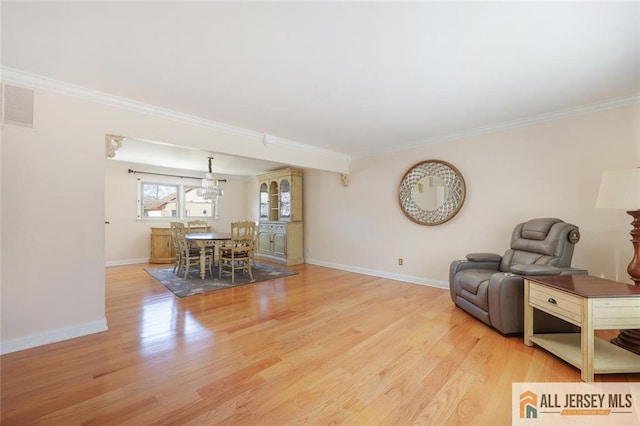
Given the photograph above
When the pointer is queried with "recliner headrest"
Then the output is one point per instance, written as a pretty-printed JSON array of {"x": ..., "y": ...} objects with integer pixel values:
[{"x": 537, "y": 229}]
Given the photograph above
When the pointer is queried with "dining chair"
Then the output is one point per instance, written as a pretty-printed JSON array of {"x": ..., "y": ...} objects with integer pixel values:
[
  {"x": 176, "y": 227},
  {"x": 197, "y": 226},
  {"x": 191, "y": 255},
  {"x": 194, "y": 226},
  {"x": 237, "y": 254},
  {"x": 255, "y": 244}
]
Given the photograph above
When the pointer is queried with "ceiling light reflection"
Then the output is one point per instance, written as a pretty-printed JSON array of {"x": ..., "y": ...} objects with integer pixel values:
[{"x": 166, "y": 326}]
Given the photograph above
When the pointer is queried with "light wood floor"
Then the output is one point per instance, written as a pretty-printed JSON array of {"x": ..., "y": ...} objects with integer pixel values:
[{"x": 322, "y": 347}]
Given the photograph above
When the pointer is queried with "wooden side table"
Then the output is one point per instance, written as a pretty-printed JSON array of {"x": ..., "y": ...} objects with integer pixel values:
[{"x": 591, "y": 303}]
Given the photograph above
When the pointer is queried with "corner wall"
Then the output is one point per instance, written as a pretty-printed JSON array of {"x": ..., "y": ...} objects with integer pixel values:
[
  {"x": 550, "y": 169},
  {"x": 53, "y": 254},
  {"x": 53, "y": 210},
  {"x": 52, "y": 225}
]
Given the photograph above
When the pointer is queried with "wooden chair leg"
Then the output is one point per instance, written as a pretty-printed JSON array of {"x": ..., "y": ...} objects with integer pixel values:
[
  {"x": 187, "y": 266},
  {"x": 176, "y": 265}
]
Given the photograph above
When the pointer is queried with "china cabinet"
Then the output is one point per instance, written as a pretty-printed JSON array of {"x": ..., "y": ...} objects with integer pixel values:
[{"x": 280, "y": 231}]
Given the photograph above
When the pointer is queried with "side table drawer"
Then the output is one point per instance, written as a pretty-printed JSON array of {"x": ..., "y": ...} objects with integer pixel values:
[{"x": 558, "y": 303}]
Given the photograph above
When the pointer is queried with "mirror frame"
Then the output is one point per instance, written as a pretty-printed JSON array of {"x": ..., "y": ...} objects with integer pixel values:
[{"x": 456, "y": 192}]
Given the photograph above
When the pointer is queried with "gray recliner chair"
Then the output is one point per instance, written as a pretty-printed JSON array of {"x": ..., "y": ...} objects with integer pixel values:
[{"x": 491, "y": 287}]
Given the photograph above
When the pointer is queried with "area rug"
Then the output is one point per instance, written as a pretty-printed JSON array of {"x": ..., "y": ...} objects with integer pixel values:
[{"x": 193, "y": 284}]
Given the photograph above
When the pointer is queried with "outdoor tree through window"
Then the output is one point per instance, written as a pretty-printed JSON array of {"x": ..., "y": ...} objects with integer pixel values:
[
  {"x": 159, "y": 200},
  {"x": 162, "y": 200}
]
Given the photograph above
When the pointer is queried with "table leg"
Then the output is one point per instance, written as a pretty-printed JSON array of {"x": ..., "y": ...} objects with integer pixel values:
[
  {"x": 203, "y": 261},
  {"x": 528, "y": 315},
  {"x": 587, "y": 341},
  {"x": 213, "y": 260}
]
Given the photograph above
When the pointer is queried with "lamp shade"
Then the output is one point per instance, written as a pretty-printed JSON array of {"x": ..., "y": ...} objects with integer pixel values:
[{"x": 620, "y": 189}]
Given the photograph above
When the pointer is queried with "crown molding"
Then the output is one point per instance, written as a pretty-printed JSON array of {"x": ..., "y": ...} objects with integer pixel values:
[
  {"x": 521, "y": 122},
  {"x": 21, "y": 78}
]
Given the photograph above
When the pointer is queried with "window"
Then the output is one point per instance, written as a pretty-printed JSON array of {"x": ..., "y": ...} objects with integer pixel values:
[
  {"x": 196, "y": 206},
  {"x": 158, "y": 200},
  {"x": 163, "y": 201}
]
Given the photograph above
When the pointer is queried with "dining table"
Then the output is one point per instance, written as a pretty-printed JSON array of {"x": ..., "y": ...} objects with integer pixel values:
[{"x": 204, "y": 240}]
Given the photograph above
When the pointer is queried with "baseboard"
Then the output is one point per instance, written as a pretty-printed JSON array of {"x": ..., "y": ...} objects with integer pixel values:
[
  {"x": 53, "y": 336},
  {"x": 280, "y": 260},
  {"x": 382, "y": 274},
  {"x": 126, "y": 262}
]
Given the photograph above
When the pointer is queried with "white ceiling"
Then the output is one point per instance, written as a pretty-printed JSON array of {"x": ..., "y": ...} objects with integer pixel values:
[{"x": 358, "y": 78}]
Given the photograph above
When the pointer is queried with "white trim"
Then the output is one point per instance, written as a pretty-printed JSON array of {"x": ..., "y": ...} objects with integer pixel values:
[
  {"x": 126, "y": 262},
  {"x": 38, "y": 82},
  {"x": 53, "y": 336},
  {"x": 382, "y": 274},
  {"x": 15, "y": 76},
  {"x": 520, "y": 122},
  {"x": 44, "y": 83}
]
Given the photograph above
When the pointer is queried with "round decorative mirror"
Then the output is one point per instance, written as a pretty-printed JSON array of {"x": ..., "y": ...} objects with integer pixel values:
[{"x": 431, "y": 192}]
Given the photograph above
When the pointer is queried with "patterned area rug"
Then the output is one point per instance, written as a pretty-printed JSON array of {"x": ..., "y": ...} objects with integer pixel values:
[{"x": 194, "y": 285}]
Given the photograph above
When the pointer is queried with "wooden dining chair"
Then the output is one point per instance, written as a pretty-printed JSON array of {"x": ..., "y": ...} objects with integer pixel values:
[
  {"x": 176, "y": 227},
  {"x": 237, "y": 254},
  {"x": 194, "y": 226},
  {"x": 197, "y": 226},
  {"x": 255, "y": 244},
  {"x": 190, "y": 255}
]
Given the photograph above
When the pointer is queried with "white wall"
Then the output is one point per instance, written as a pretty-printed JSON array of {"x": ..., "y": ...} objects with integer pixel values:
[
  {"x": 53, "y": 258},
  {"x": 551, "y": 169},
  {"x": 53, "y": 255},
  {"x": 52, "y": 274},
  {"x": 127, "y": 239}
]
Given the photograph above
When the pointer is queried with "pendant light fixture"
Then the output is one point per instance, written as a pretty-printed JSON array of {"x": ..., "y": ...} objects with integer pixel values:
[{"x": 210, "y": 189}]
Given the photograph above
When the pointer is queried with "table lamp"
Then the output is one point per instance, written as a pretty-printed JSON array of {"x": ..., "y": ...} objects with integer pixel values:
[{"x": 620, "y": 189}]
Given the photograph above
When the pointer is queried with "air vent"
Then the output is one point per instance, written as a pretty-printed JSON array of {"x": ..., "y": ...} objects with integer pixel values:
[{"x": 17, "y": 106}]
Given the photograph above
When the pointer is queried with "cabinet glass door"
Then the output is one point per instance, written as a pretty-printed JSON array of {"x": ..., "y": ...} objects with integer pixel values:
[
  {"x": 264, "y": 201},
  {"x": 285, "y": 200}
]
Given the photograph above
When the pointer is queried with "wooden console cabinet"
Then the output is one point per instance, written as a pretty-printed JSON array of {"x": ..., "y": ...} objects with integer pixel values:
[
  {"x": 280, "y": 231},
  {"x": 162, "y": 249}
]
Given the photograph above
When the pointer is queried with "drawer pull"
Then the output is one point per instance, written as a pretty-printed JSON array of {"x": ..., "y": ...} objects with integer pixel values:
[{"x": 552, "y": 301}]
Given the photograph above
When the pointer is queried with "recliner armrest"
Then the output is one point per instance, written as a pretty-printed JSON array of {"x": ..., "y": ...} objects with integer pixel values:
[
  {"x": 461, "y": 265},
  {"x": 484, "y": 257},
  {"x": 533, "y": 269}
]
